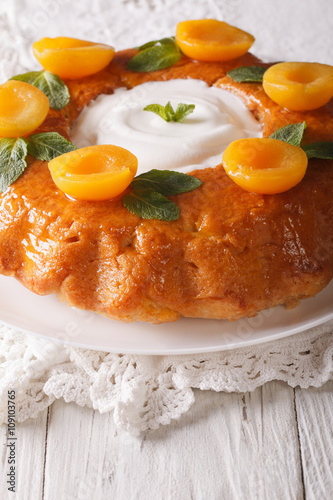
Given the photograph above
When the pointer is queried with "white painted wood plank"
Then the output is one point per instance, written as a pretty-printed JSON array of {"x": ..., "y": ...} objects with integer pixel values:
[
  {"x": 68, "y": 452},
  {"x": 229, "y": 446},
  {"x": 315, "y": 421},
  {"x": 30, "y": 447}
]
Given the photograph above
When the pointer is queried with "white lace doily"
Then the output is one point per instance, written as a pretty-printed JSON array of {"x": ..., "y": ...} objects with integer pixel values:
[{"x": 147, "y": 391}]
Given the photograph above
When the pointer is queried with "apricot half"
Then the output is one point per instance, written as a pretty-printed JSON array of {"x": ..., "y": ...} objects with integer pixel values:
[
  {"x": 23, "y": 108},
  {"x": 72, "y": 58},
  {"x": 264, "y": 165},
  {"x": 212, "y": 40},
  {"x": 95, "y": 172},
  {"x": 299, "y": 86}
]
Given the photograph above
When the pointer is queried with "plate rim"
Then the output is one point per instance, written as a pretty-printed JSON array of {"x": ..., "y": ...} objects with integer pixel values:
[
  {"x": 214, "y": 346},
  {"x": 180, "y": 351}
]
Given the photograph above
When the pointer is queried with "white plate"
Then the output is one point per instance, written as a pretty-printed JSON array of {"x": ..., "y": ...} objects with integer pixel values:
[{"x": 47, "y": 317}]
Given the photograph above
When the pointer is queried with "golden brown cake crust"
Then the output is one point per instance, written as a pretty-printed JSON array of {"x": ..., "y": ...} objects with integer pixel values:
[{"x": 230, "y": 254}]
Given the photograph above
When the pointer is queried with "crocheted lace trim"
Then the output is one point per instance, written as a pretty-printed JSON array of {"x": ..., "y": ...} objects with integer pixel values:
[{"x": 147, "y": 391}]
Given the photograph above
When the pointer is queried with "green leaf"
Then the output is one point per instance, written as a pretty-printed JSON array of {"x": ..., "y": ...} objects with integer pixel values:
[
  {"x": 292, "y": 134},
  {"x": 12, "y": 161},
  {"x": 149, "y": 204},
  {"x": 322, "y": 150},
  {"x": 167, "y": 112},
  {"x": 182, "y": 111},
  {"x": 163, "y": 41},
  {"x": 159, "y": 110},
  {"x": 48, "y": 145},
  {"x": 166, "y": 182},
  {"x": 247, "y": 74},
  {"x": 155, "y": 55},
  {"x": 51, "y": 85}
]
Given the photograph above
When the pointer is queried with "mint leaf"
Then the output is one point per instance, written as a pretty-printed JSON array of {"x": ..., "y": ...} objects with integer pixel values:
[
  {"x": 51, "y": 85},
  {"x": 147, "y": 198},
  {"x": 155, "y": 55},
  {"x": 292, "y": 134},
  {"x": 182, "y": 111},
  {"x": 166, "y": 182},
  {"x": 159, "y": 110},
  {"x": 247, "y": 74},
  {"x": 167, "y": 112},
  {"x": 163, "y": 41},
  {"x": 149, "y": 204},
  {"x": 48, "y": 145},
  {"x": 12, "y": 161},
  {"x": 323, "y": 150}
]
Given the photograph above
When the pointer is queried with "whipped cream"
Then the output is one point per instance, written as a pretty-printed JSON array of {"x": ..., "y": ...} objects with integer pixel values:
[{"x": 218, "y": 119}]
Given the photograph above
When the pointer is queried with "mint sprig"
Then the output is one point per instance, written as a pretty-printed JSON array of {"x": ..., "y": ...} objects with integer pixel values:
[
  {"x": 293, "y": 134},
  {"x": 13, "y": 153},
  {"x": 247, "y": 74},
  {"x": 150, "y": 204},
  {"x": 323, "y": 150},
  {"x": 167, "y": 182},
  {"x": 149, "y": 190},
  {"x": 51, "y": 85},
  {"x": 163, "y": 41},
  {"x": 48, "y": 145},
  {"x": 158, "y": 54},
  {"x": 167, "y": 112},
  {"x": 12, "y": 160}
]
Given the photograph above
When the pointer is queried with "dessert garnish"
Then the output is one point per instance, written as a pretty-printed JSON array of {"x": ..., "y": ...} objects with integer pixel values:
[
  {"x": 264, "y": 165},
  {"x": 323, "y": 150},
  {"x": 72, "y": 58},
  {"x": 158, "y": 54},
  {"x": 48, "y": 145},
  {"x": 103, "y": 172},
  {"x": 293, "y": 134},
  {"x": 169, "y": 114},
  {"x": 248, "y": 74},
  {"x": 212, "y": 40},
  {"x": 298, "y": 86},
  {"x": 12, "y": 160},
  {"x": 23, "y": 108},
  {"x": 51, "y": 85},
  {"x": 94, "y": 173},
  {"x": 147, "y": 198},
  {"x": 275, "y": 164},
  {"x": 13, "y": 152}
]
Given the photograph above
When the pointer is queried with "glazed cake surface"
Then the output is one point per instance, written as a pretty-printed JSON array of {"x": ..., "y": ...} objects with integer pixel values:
[{"x": 229, "y": 255}]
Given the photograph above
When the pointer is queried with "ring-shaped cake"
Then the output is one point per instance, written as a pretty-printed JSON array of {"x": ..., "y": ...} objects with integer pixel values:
[{"x": 230, "y": 254}]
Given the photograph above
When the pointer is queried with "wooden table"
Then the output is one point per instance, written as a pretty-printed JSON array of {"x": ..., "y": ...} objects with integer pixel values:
[{"x": 273, "y": 443}]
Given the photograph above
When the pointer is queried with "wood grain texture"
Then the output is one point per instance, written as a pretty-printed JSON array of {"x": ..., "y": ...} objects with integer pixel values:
[
  {"x": 30, "y": 451},
  {"x": 315, "y": 422},
  {"x": 273, "y": 443}
]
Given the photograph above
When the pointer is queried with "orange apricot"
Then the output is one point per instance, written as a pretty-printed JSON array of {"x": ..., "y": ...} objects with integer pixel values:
[
  {"x": 23, "y": 108},
  {"x": 299, "y": 86},
  {"x": 264, "y": 165},
  {"x": 72, "y": 58},
  {"x": 95, "y": 172},
  {"x": 212, "y": 40}
]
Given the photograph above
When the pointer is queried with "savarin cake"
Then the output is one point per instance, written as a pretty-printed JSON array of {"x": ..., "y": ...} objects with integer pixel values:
[{"x": 253, "y": 232}]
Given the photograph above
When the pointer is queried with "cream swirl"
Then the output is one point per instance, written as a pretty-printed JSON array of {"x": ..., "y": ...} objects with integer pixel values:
[{"x": 218, "y": 119}]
